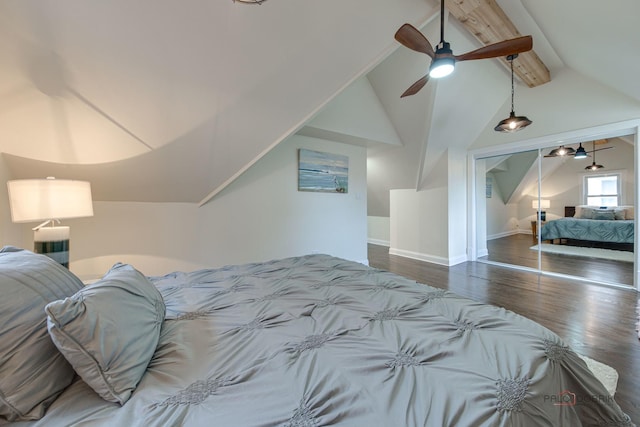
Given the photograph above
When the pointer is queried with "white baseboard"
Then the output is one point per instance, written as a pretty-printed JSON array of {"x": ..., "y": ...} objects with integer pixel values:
[
  {"x": 483, "y": 252},
  {"x": 503, "y": 234},
  {"x": 458, "y": 259},
  {"x": 379, "y": 242},
  {"x": 429, "y": 258}
]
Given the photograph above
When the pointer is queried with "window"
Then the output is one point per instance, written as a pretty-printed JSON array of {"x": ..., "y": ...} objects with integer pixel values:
[{"x": 602, "y": 190}]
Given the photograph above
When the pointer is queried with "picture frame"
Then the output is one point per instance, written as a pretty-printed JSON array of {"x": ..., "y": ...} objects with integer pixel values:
[{"x": 322, "y": 172}]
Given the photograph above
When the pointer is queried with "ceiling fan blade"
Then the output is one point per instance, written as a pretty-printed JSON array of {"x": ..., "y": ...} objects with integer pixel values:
[
  {"x": 415, "y": 88},
  {"x": 410, "y": 37},
  {"x": 503, "y": 48},
  {"x": 600, "y": 149}
]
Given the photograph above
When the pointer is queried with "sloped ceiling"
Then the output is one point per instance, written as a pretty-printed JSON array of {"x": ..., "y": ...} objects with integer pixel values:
[
  {"x": 103, "y": 83},
  {"x": 169, "y": 101}
]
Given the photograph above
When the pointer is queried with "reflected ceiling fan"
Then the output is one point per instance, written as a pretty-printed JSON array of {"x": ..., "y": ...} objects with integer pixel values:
[
  {"x": 579, "y": 153},
  {"x": 443, "y": 60}
]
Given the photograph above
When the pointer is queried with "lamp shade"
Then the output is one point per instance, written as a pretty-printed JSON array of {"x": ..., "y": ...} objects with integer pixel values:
[
  {"x": 544, "y": 204},
  {"x": 44, "y": 199},
  {"x": 512, "y": 123}
]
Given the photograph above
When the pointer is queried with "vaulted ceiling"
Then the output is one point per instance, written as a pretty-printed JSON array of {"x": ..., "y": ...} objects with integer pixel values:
[{"x": 169, "y": 101}]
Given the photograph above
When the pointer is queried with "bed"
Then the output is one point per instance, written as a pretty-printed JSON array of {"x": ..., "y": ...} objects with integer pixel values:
[
  {"x": 306, "y": 341},
  {"x": 612, "y": 228}
]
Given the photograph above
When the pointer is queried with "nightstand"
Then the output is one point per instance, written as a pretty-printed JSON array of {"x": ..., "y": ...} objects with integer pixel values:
[{"x": 534, "y": 229}]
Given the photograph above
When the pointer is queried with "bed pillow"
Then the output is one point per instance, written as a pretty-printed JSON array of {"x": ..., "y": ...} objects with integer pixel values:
[
  {"x": 32, "y": 371},
  {"x": 620, "y": 213},
  {"x": 603, "y": 214},
  {"x": 586, "y": 213},
  {"x": 109, "y": 330},
  {"x": 629, "y": 212},
  {"x": 578, "y": 211}
]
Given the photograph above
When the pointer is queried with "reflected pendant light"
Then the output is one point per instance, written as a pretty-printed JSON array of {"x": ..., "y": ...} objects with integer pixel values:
[
  {"x": 581, "y": 153},
  {"x": 561, "y": 152},
  {"x": 594, "y": 166},
  {"x": 513, "y": 123}
]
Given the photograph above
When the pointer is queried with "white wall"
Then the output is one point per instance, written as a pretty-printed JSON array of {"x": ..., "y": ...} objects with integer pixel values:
[
  {"x": 10, "y": 233},
  {"x": 260, "y": 216},
  {"x": 378, "y": 230},
  {"x": 417, "y": 224},
  {"x": 457, "y": 206},
  {"x": 430, "y": 224},
  {"x": 501, "y": 218}
]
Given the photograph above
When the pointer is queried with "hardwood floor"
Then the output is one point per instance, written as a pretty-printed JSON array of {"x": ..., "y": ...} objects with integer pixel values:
[
  {"x": 516, "y": 250},
  {"x": 596, "y": 321}
]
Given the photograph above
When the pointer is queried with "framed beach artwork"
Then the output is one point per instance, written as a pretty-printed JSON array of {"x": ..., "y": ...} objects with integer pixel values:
[{"x": 324, "y": 172}]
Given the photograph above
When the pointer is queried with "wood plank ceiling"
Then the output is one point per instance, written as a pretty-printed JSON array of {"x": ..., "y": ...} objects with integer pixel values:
[{"x": 489, "y": 24}]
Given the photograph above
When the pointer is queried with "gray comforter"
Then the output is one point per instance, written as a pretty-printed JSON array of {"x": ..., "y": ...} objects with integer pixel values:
[{"x": 317, "y": 341}]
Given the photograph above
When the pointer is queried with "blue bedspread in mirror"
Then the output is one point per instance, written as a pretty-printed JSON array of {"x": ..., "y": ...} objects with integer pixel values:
[{"x": 618, "y": 231}]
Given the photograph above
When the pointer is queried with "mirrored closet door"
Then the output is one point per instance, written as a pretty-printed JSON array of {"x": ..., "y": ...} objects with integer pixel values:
[
  {"x": 557, "y": 210},
  {"x": 589, "y": 225},
  {"x": 507, "y": 224}
]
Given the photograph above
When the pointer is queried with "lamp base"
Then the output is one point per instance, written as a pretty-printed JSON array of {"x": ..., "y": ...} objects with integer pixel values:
[{"x": 52, "y": 242}]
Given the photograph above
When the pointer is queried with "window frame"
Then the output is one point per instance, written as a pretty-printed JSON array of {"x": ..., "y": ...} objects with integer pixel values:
[{"x": 585, "y": 186}]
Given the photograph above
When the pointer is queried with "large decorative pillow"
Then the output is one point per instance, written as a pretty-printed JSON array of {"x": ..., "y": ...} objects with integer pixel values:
[
  {"x": 578, "y": 211},
  {"x": 603, "y": 214},
  {"x": 629, "y": 212},
  {"x": 32, "y": 371},
  {"x": 109, "y": 330},
  {"x": 620, "y": 213},
  {"x": 587, "y": 213}
]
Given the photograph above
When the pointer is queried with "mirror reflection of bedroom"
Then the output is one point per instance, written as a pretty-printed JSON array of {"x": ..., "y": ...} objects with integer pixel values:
[{"x": 577, "y": 219}]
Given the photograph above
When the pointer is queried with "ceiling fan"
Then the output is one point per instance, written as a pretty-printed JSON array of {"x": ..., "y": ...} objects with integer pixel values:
[{"x": 443, "y": 60}]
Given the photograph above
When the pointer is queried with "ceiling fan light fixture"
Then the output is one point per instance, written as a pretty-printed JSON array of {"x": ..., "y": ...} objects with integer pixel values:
[
  {"x": 513, "y": 123},
  {"x": 249, "y": 1},
  {"x": 441, "y": 68},
  {"x": 581, "y": 153},
  {"x": 443, "y": 63}
]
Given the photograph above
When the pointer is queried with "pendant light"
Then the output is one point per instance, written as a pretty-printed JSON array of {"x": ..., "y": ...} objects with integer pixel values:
[
  {"x": 594, "y": 166},
  {"x": 562, "y": 151},
  {"x": 581, "y": 153},
  {"x": 513, "y": 123}
]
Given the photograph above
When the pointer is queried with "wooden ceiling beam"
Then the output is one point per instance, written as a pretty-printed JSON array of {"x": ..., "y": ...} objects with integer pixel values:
[{"x": 488, "y": 23}]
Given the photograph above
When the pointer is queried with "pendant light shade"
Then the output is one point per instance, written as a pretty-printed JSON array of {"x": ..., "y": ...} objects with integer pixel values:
[
  {"x": 594, "y": 166},
  {"x": 513, "y": 123},
  {"x": 581, "y": 153},
  {"x": 562, "y": 151}
]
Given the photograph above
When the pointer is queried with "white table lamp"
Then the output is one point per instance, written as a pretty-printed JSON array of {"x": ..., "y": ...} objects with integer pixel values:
[
  {"x": 539, "y": 205},
  {"x": 50, "y": 200}
]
